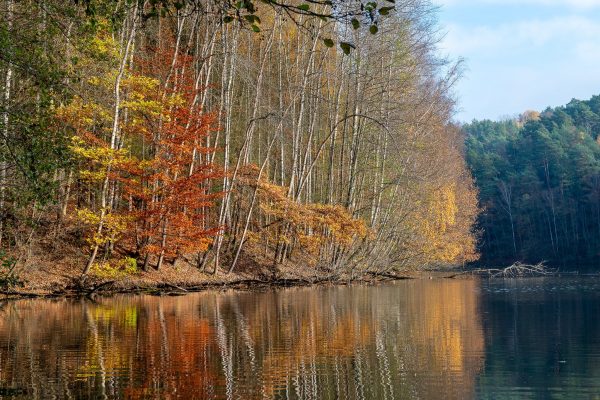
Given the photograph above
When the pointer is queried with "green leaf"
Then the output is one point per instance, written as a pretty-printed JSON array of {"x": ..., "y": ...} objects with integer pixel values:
[
  {"x": 346, "y": 47},
  {"x": 304, "y": 7},
  {"x": 370, "y": 6},
  {"x": 373, "y": 29},
  {"x": 385, "y": 10},
  {"x": 255, "y": 28},
  {"x": 355, "y": 23},
  {"x": 227, "y": 19},
  {"x": 328, "y": 42}
]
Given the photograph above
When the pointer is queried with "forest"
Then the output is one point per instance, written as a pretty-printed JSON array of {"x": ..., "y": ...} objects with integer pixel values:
[
  {"x": 139, "y": 135},
  {"x": 539, "y": 184},
  {"x": 282, "y": 199}
]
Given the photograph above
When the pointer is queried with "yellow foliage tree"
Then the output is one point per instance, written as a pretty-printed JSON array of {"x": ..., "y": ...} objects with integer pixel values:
[
  {"x": 312, "y": 227},
  {"x": 442, "y": 227}
]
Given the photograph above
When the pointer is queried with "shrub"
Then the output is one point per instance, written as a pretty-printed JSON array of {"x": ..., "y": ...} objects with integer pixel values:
[
  {"x": 120, "y": 269},
  {"x": 8, "y": 277}
]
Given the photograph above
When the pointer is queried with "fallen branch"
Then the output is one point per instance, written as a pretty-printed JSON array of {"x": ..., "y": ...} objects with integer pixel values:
[
  {"x": 19, "y": 294},
  {"x": 516, "y": 270},
  {"x": 389, "y": 276},
  {"x": 99, "y": 286},
  {"x": 174, "y": 286}
]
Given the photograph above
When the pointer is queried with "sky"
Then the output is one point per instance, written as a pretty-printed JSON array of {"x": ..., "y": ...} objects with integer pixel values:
[{"x": 521, "y": 54}]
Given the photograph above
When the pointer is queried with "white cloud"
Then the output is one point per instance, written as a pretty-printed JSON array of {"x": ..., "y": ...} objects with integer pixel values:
[
  {"x": 522, "y": 54},
  {"x": 581, "y": 4},
  {"x": 520, "y": 65},
  {"x": 589, "y": 51},
  {"x": 524, "y": 34}
]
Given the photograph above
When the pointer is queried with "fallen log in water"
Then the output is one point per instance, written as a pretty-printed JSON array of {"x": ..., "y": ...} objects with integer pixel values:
[{"x": 516, "y": 270}]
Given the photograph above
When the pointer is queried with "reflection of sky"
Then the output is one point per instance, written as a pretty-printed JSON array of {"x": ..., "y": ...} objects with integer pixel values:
[{"x": 522, "y": 54}]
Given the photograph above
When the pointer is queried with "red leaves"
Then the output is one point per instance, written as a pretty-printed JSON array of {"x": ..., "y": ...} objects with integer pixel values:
[
  {"x": 169, "y": 188},
  {"x": 170, "y": 191}
]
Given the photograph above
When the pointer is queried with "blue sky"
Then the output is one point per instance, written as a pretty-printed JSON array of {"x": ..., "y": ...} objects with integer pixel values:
[{"x": 521, "y": 54}]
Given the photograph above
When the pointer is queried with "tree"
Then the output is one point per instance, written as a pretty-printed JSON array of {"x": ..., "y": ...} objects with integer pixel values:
[
  {"x": 170, "y": 192},
  {"x": 212, "y": 133},
  {"x": 544, "y": 167}
]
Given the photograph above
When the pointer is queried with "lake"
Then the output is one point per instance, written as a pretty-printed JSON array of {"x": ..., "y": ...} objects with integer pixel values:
[{"x": 421, "y": 339}]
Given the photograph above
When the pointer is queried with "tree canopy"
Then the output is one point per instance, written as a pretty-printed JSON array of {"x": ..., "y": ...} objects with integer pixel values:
[
  {"x": 539, "y": 182},
  {"x": 158, "y": 133}
]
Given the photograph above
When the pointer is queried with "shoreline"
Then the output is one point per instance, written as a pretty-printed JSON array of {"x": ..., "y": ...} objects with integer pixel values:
[
  {"x": 109, "y": 288},
  {"x": 184, "y": 281}
]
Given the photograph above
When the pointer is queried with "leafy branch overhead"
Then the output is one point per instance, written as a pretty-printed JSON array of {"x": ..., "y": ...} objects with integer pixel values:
[{"x": 354, "y": 13}]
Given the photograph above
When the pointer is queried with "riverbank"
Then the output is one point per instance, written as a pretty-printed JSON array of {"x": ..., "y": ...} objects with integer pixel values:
[
  {"x": 46, "y": 277},
  {"x": 181, "y": 282},
  {"x": 52, "y": 265},
  {"x": 49, "y": 273}
]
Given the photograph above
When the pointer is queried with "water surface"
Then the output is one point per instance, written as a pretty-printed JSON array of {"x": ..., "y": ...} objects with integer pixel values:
[{"x": 451, "y": 339}]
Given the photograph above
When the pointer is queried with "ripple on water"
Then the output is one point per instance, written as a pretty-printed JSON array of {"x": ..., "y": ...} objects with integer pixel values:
[{"x": 432, "y": 339}]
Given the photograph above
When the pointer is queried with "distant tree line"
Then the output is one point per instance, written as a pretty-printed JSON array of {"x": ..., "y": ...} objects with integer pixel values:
[{"x": 539, "y": 185}]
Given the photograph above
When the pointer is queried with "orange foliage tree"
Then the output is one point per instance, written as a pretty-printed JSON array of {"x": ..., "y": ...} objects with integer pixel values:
[
  {"x": 317, "y": 229},
  {"x": 169, "y": 193},
  {"x": 156, "y": 171},
  {"x": 169, "y": 188}
]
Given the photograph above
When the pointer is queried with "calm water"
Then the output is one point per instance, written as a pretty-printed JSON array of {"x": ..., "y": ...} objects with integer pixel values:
[{"x": 439, "y": 339}]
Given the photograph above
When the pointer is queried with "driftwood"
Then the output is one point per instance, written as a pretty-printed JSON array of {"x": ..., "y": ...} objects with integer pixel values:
[
  {"x": 18, "y": 293},
  {"x": 388, "y": 275},
  {"x": 517, "y": 270},
  {"x": 99, "y": 286},
  {"x": 167, "y": 284}
]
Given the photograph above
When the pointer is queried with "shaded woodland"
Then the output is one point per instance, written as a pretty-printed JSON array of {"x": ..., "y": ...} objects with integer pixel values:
[
  {"x": 139, "y": 134},
  {"x": 539, "y": 184}
]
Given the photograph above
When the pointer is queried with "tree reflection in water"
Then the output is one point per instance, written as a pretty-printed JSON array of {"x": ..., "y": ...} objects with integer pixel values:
[{"x": 420, "y": 339}]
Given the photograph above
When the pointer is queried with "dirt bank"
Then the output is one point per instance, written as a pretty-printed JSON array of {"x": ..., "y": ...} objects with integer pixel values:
[{"x": 55, "y": 276}]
